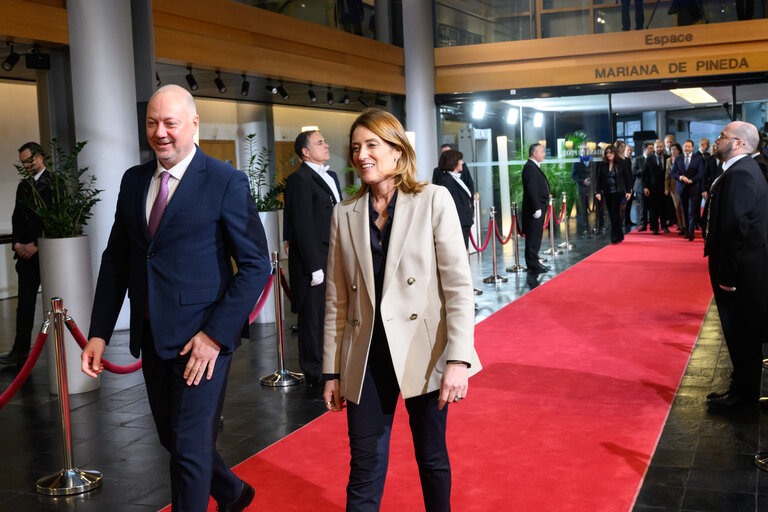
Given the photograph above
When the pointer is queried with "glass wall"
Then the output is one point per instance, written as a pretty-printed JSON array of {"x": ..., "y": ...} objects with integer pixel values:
[{"x": 462, "y": 22}]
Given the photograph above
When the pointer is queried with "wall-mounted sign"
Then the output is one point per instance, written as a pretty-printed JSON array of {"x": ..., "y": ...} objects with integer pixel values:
[{"x": 672, "y": 68}]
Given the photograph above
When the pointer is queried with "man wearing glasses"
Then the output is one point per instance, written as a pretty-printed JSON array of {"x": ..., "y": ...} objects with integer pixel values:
[{"x": 736, "y": 237}]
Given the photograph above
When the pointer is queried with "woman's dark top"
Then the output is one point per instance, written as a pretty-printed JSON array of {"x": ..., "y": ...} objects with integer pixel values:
[{"x": 622, "y": 177}]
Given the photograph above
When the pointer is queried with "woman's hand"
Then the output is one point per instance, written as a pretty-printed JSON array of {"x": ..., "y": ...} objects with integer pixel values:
[
  {"x": 454, "y": 385},
  {"x": 331, "y": 396},
  {"x": 597, "y": 196}
]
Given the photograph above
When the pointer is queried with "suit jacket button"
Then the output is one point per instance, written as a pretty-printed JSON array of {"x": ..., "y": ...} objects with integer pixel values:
[
  {"x": 354, "y": 287},
  {"x": 411, "y": 280},
  {"x": 414, "y": 316},
  {"x": 356, "y": 322}
]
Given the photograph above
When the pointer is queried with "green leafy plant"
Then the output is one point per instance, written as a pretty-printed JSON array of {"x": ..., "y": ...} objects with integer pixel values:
[
  {"x": 73, "y": 193},
  {"x": 265, "y": 189}
]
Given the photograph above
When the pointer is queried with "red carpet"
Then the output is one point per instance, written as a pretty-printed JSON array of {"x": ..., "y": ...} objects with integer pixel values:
[{"x": 578, "y": 380}]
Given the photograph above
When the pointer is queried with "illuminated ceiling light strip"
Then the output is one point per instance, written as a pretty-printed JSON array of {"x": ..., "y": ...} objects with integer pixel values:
[{"x": 694, "y": 95}]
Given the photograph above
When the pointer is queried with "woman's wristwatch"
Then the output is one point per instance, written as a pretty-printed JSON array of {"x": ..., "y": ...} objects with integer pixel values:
[{"x": 454, "y": 361}]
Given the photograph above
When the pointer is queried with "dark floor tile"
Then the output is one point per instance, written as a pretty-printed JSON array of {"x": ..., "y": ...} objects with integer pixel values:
[
  {"x": 723, "y": 480},
  {"x": 669, "y": 498},
  {"x": 715, "y": 501},
  {"x": 666, "y": 477}
]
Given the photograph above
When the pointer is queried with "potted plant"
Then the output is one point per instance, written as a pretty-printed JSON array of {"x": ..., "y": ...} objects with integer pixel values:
[{"x": 65, "y": 257}]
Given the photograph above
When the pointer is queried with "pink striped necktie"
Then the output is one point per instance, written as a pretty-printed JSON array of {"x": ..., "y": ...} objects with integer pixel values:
[{"x": 158, "y": 207}]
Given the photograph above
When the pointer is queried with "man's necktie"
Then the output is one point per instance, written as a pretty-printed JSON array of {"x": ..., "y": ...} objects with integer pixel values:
[
  {"x": 658, "y": 161},
  {"x": 687, "y": 161},
  {"x": 158, "y": 207}
]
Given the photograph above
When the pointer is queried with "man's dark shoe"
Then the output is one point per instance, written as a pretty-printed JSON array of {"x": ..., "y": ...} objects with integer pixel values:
[
  {"x": 246, "y": 497},
  {"x": 542, "y": 269},
  {"x": 682, "y": 233},
  {"x": 730, "y": 402},
  {"x": 665, "y": 229},
  {"x": 643, "y": 228},
  {"x": 12, "y": 358},
  {"x": 717, "y": 394},
  {"x": 691, "y": 237},
  {"x": 655, "y": 232}
]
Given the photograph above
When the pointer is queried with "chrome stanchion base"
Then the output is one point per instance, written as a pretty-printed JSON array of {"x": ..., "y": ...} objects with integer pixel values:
[
  {"x": 282, "y": 378},
  {"x": 69, "y": 481},
  {"x": 478, "y": 292},
  {"x": 761, "y": 461},
  {"x": 550, "y": 251},
  {"x": 517, "y": 268},
  {"x": 566, "y": 246},
  {"x": 495, "y": 278}
]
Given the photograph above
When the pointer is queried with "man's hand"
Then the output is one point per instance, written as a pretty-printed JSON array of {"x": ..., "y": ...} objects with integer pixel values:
[
  {"x": 202, "y": 359},
  {"x": 454, "y": 384},
  {"x": 317, "y": 277},
  {"x": 25, "y": 251},
  {"x": 646, "y": 192},
  {"x": 587, "y": 182},
  {"x": 628, "y": 195},
  {"x": 333, "y": 401},
  {"x": 597, "y": 196},
  {"x": 685, "y": 179},
  {"x": 91, "y": 357},
  {"x": 285, "y": 246},
  {"x": 704, "y": 195},
  {"x": 537, "y": 214},
  {"x": 666, "y": 192}
]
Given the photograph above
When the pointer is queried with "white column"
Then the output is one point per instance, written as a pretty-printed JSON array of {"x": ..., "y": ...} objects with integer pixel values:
[
  {"x": 506, "y": 205},
  {"x": 420, "y": 111}
]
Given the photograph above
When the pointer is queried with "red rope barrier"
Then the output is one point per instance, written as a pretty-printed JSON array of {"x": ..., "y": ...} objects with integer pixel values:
[
  {"x": 519, "y": 227},
  {"x": 284, "y": 284},
  {"x": 487, "y": 237},
  {"x": 262, "y": 300},
  {"x": 562, "y": 214},
  {"x": 110, "y": 367},
  {"x": 547, "y": 216},
  {"x": 25, "y": 370},
  {"x": 501, "y": 239}
]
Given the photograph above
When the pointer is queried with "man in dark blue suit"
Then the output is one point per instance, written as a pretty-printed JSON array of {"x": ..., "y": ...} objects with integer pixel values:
[
  {"x": 179, "y": 223},
  {"x": 688, "y": 171}
]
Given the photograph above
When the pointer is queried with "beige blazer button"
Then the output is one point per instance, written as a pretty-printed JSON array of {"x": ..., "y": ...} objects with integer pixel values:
[
  {"x": 354, "y": 287},
  {"x": 414, "y": 316},
  {"x": 411, "y": 280}
]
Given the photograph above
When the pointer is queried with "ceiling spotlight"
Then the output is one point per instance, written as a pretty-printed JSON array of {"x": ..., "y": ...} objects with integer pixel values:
[
  {"x": 538, "y": 119},
  {"x": 329, "y": 96},
  {"x": 191, "y": 79},
  {"x": 158, "y": 83},
  {"x": 380, "y": 101},
  {"x": 312, "y": 95},
  {"x": 271, "y": 88},
  {"x": 281, "y": 91},
  {"x": 220, "y": 83},
  {"x": 512, "y": 115},
  {"x": 363, "y": 101},
  {"x": 478, "y": 109},
  {"x": 346, "y": 98},
  {"x": 11, "y": 59},
  {"x": 246, "y": 87}
]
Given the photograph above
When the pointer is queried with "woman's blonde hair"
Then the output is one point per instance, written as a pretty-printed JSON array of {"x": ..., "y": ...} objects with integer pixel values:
[{"x": 388, "y": 128}]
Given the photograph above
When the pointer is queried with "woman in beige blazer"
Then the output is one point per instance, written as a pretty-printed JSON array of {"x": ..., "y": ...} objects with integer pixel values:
[{"x": 399, "y": 315}]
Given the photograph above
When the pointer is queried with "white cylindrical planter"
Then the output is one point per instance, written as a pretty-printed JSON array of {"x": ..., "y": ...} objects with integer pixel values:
[
  {"x": 65, "y": 271},
  {"x": 272, "y": 229}
]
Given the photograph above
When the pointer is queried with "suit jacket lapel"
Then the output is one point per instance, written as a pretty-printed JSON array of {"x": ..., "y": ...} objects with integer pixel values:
[
  {"x": 141, "y": 199},
  {"x": 321, "y": 182},
  {"x": 185, "y": 191},
  {"x": 360, "y": 233},
  {"x": 404, "y": 216}
]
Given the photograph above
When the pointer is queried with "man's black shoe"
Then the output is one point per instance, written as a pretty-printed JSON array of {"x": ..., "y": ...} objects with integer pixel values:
[
  {"x": 730, "y": 401},
  {"x": 642, "y": 229},
  {"x": 682, "y": 233},
  {"x": 691, "y": 237},
  {"x": 246, "y": 497},
  {"x": 314, "y": 382},
  {"x": 665, "y": 229},
  {"x": 12, "y": 358},
  {"x": 655, "y": 232},
  {"x": 541, "y": 269},
  {"x": 717, "y": 394}
]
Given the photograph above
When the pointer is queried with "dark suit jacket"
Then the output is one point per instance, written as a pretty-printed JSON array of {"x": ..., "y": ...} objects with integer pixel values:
[
  {"x": 464, "y": 174},
  {"x": 623, "y": 178},
  {"x": 737, "y": 230},
  {"x": 309, "y": 203},
  {"x": 712, "y": 169},
  {"x": 695, "y": 172},
  {"x": 185, "y": 271},
  {"x": 653, "y": 177},
  {"x": 465, "y": 205},
  {"x": 639, "y": 170},
  {"x": 26, "y": 225},
  {"x": 535, "y": 194},
  {"x": 579, "y": 173}
]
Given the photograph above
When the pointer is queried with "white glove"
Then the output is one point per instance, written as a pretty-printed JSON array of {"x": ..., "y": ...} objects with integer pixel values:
[
  {"x": 317, "y": 278},
  {"x": 537, "y": 214}
]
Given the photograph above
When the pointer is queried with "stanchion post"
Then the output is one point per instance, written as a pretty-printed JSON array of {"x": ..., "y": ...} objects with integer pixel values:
[
  {"x": 479, "y": 230},
  {"x": 516, "y": 267},
  {"x": 69, "y": 480},
  {"x": 495, "y": 277},
  {"x": 282, "y": 377},
  {"x": 552, "y": 249},
  {"x": 565, "y": 245}
]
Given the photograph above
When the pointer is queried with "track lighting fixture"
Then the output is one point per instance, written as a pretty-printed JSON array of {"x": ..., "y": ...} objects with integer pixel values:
[
  {"x": 380, "y": 101},
  {"x": 346, "y": 98},
  {"x": 281, "y": 91},
  {"x": 220, "y": 83},
  {"x": 191, "y": 79},
  {"x": 271, "y": 88},
  {"x": 158, "y": 83},
  {"x": 312, "y": 95},
  {"x": 329, "y": 96},
  {"x": 11, "y": 59},
  {"x": 363, "y": 101},
  {"x": 246, "y": 87}
]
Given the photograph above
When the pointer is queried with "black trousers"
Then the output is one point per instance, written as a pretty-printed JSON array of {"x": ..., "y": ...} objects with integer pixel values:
[
  {"x": 645, "y": 211},
  {"x": 690, "y": 201},
  {"x": 656, "y": 209},
  {"x": 370, "y": 426},
  {"x": 744, "y": 334},
  {"x": 28, "y": 272},
  {"x": 582, "y": 219},
  {"x": 534, "y": 230},
  {"x": 187, "y": 419},
  {"x": 626, "y": 23},
  {"x": 614, "y": 210},
  {"x": 310, "y": 325}
]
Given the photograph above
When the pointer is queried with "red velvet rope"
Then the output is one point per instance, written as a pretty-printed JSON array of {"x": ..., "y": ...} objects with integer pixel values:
[
  {"x": 487, "y": 237},
  {"x": 262, "y": 300},
  {"x": 519, "y": 228},
  {"x": 25, "y": 370},
  {"x": 284, "y": 284},
  {"x": 501, "y": 239},
  {"x": 110, "y": 367},
  {"x": 547, "y": 216},
  {"x": 562, "y": 214}
]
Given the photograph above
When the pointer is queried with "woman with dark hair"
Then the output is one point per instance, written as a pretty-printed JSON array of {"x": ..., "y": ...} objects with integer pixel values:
[
  {"x": 614, "y": 182},
  {"x": 675, "y": 150},
  {"x": 399, "y": 313},
  {"x": 450, "y": 165}
]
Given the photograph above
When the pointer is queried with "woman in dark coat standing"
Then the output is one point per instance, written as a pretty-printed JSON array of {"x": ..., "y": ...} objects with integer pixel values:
[
  {"x": 614, "y": 182},
  {"x": 450, "y": 165}
]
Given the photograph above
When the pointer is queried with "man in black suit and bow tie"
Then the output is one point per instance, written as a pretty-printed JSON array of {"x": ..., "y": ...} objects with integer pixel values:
[
  {"x": 535, "y": 204},
  {"x": 736, "y": 236},
  {"x": 311, "y": 192},
  {"x": 26, "y": 228}
]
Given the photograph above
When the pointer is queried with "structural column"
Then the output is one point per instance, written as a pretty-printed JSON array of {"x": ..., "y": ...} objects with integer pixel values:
[{"x": 420, "y": 111}]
